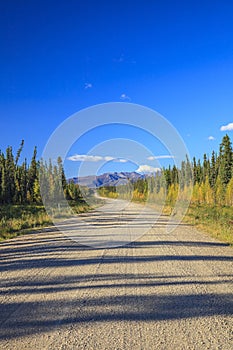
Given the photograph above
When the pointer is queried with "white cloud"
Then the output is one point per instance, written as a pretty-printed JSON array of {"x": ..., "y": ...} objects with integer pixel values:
[
  {"x": 108, "y": 158},
  {"x": 211, "y": 138},
  {"x": 227, "y": 127},
  {"x": 147, "y": 169},
  {"x": 91, "y": 158},
  {"x": 124, "y": 97},
  {"x": 84, "y": 158},
  {"x": 88, "y": 86},
  {"x": 160, "y": 157}
]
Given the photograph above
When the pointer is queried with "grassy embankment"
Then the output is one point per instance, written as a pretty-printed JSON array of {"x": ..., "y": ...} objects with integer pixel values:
[
  {"x": 17, "y": 220},
  {"x": 217, "y": 221}
]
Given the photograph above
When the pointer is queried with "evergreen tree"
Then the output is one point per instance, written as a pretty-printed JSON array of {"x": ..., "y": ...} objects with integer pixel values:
[
  {"x": 182, "y": 177},
  {"x": 195, "y": 177},
  {"x": 188, "y": 172},
  {"x": 174, "y": 175},
  {"x": 9, "y": 176},
  {"x": 19, "y": 152},
  {"x": 225, "y": 160},
  {"x": 206, "y": 168},
  {"x": 32, "y": 176},
  {"x": 23, "y": 182},
  {"x": 199, "y": 175},
  {"x": 61, "y": 173},
  {"x": 213, "y": 170},
  {"x": 3, "y": 178},
  {"x": 168, "y": 177}
]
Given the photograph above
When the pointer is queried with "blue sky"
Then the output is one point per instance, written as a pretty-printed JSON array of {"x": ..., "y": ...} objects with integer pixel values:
[{"x": 58, "y": 57}]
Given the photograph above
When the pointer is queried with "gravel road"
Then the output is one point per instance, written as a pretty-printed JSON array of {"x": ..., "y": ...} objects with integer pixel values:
[{"x": 163, "y": 291}]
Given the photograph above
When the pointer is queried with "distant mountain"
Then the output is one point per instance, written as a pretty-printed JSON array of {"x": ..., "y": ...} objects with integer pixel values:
[{"x": 107, "y": 179}]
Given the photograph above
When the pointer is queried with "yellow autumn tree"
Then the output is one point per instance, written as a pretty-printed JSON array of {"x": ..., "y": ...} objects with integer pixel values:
[
  {"x": 229, "y": 193},
  {"x": 195, "y": 195},
  {"x": 208, "y": 192},
  {"x": 219, "y": 192}
]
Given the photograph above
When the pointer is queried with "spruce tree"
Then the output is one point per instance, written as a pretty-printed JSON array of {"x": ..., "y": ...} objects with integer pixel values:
[
  {"x": 3, "y": 178},
  {"x": 32, "y": 176},
  {"x": 10, "y": 176},
  {"x": 213, "y": 170},
  {"x": 225, "y": 160}
]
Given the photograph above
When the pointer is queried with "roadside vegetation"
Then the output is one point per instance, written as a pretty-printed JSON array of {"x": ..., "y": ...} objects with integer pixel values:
[
  {"x": 21, "y": 206},
  {"x": 217, "y": 221},
  {"x": 18, "y": 219},
  {"x": 208, "y": 183}
]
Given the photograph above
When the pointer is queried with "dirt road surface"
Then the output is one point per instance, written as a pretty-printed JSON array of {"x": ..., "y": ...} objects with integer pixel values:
[{"x": 162, "y": 291}]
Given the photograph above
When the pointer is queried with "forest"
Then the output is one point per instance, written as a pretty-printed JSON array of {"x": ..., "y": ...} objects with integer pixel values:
[
  {"x": 21, "y": 206},
  {"x": 19, "y": 183},
  {"x": 210, "y": 182}
]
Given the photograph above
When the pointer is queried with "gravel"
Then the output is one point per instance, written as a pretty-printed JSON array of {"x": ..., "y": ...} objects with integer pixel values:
[{"x": 162, "y": 291}]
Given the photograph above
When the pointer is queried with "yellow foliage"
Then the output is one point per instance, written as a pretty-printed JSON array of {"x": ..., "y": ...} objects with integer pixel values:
[{"x": 229, "y": 193}]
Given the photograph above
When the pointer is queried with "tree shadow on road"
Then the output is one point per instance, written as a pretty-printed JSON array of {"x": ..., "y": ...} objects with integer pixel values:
[
  {"x": 32, "y": 304},
  {"x": 44, "y": 316}
]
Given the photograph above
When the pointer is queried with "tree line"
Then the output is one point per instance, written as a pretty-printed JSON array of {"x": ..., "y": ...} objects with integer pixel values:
[
  {"x": 20, "y": 182},
  {"x": 209, "y": 179},
  {"x": 213, "y": 177}
]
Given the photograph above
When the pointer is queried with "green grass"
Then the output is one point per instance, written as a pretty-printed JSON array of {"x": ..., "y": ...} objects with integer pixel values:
[
  {"x": 217, "y": 221},
  {"x": 80, "y": 207},
  {"x": 16, "y": 220}
]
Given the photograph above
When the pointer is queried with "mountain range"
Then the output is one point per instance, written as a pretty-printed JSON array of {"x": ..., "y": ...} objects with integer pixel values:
[{"x": 107, "y": 179}]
